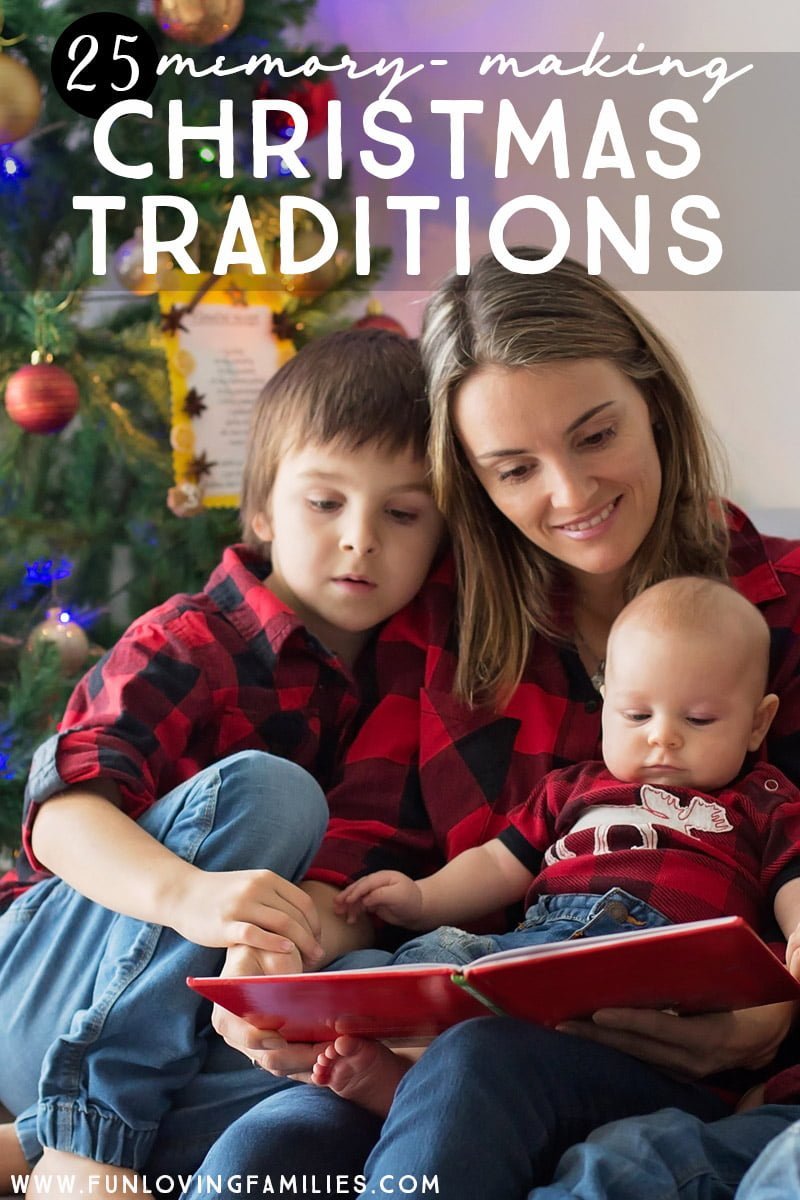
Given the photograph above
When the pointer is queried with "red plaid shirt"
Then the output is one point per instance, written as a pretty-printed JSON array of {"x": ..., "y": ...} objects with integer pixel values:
[
  {"x": 582, "y": 830},
  {"x": 446, "y": 776},
  {"x": 200, "y": 678}
]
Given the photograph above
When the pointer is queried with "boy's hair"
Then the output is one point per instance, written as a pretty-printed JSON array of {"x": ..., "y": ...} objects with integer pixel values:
[
  {"x": 691, "y": 605},
  {"x": 497, "y": 317},
  {"x": 353, "y": 388}
]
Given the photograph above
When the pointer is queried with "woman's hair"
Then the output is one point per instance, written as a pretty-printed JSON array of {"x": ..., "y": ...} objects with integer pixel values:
[
  {"x": 507, "y": 586},
  {"x": 351, "y": 388}
]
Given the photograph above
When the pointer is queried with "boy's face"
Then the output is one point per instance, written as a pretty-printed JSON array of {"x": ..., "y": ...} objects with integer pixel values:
[
  {"x": 353, "y": 535},
  {"x": 680, "y": 710}
]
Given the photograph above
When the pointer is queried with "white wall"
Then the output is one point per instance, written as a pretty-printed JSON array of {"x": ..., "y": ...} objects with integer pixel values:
[{"x": 740, "y": 346}]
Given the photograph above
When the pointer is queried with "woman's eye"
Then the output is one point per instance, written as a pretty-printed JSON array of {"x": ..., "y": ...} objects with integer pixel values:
[
  {"x": 515, "y": 474},
  {"x": 601, "y": 438},
  {"x": 323, "y": 506},
  {"x": 402, "y": 516}
]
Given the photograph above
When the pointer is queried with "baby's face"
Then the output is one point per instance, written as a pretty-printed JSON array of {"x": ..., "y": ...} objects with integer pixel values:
[{"x": 679, "y": 710}]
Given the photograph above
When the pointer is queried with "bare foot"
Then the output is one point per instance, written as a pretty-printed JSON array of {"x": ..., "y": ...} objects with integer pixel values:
[
  {"x": 12, "y": 1160},
  {"x": 362, "y": 1071},
  {"x": 89, "y": 1178}
]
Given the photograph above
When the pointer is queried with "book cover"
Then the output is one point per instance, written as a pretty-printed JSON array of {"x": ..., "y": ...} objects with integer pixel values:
[{"x": 704, "y": 966}]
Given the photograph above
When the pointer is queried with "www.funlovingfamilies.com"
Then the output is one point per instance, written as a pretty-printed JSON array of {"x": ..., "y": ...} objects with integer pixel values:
[{"x": 236, "y": 1185}]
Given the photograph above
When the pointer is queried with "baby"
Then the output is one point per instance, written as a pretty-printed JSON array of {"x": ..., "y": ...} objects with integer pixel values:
[{"x": 672, "y": 826}]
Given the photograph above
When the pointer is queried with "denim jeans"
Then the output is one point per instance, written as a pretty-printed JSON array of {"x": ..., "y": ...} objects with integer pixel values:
[
  {"x": 104, "y": 1050},
  {"x": 776, "y": 1172},
  {"x": 671, "y": 1155},
  {"x": 551, "y": 919},
  {"x": 488, "y": 1109}
]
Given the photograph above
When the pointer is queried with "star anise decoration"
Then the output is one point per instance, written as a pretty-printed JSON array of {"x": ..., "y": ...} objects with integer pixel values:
[
  {"x": 284, "y": 325},
  {"x": 238, "y": 296},
  {"x": 172, "y": 321},
  {"x": 193, "y": 404},
  {"x": 199, "y": 467}
]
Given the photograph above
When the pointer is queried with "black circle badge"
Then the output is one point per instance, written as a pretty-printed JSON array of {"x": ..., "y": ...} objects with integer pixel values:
[{"x": 101, "y": 59}]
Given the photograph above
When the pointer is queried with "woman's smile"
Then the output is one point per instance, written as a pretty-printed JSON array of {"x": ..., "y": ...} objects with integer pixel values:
[
  {"x": 566, "y": 452},
  {"x": 593, "y": 525}
]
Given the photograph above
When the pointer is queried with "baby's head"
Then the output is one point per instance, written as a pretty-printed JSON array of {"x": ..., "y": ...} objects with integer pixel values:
[
  {"x": 686, "y": 675},
  {"x": 336, "y": 489}
]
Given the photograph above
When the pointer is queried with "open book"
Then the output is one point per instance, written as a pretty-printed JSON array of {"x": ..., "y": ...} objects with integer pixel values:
[{"x": 704, "y": 966}]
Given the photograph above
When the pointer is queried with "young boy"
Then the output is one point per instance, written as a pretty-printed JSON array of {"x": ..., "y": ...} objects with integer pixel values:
[
  {"x": 179, "y": 798},
  {"x": 684, "y": 704}
]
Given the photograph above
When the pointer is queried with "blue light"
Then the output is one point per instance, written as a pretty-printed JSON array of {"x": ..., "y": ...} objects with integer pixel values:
[
  {"x": 43, "y": 571},
  {"x": 12, "y": 169},
  {"x": 284, "y": 170},
  {"x": 65, "y": 617}
]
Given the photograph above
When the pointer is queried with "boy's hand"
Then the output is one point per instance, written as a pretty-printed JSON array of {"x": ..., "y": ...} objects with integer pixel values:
[
  {"x": 256, "y": 909},
  {"x": 263, "y": 1047},
  {"x": 389, "y": 895}
]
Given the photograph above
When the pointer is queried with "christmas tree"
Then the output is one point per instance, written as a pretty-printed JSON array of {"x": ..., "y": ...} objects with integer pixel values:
[{"x": 84, "y": 525}]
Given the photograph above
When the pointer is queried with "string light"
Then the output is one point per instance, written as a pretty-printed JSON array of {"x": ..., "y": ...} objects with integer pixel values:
[
  {"x": 42, "y": 571},
  {"x": 12, "y": 169}
]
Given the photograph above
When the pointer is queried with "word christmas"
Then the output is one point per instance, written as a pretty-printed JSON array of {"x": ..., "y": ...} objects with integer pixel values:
[{"x": 605, "y": 155}]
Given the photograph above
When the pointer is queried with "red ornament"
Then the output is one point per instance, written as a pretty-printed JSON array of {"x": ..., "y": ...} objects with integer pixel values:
[
  {"x": 376, "y": 318},
  {"x": 313, "y": 99},
  {"x": 41, "y": 398}
]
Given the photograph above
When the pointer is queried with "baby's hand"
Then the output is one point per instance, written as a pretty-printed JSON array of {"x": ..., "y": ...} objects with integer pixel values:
[
  {"x": 389, "y": 895},
  {"x": 793, "y": 953}
]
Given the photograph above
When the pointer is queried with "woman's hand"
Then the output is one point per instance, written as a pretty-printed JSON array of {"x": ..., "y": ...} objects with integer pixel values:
[
  {"x": 263, "y": 1047},
  {"x": 691, "y": 1047}
]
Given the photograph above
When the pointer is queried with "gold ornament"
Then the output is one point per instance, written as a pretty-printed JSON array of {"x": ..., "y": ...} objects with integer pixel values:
[
  {"x": 66, "y": 635},
  {"x": 129, "y": 266},
  {"x": 306, "y": 243},
  {"x": 20, "y": 99},
  {"x": 198, "y": 22}
]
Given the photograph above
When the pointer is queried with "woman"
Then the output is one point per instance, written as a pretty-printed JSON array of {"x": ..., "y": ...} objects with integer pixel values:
[{"x": 570, "y": 461}]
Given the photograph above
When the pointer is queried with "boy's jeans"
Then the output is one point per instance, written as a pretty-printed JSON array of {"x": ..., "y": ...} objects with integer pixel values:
[
  {"x": 550, "y": 919},
  {"x": 104, "y": 1050},
  {"x": 671, "y": 1155}
]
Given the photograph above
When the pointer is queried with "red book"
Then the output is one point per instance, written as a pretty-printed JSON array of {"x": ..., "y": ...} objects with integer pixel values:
[{"x": 704, "y": 966}]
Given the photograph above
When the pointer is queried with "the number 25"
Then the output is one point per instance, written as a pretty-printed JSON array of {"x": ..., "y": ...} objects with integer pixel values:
[{"x": 91, "y": 53}]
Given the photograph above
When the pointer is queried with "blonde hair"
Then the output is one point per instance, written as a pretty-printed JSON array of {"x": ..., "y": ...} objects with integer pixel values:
[
  {"x": 497, "y": 317},
  {"x": 709, "y": 608},
  {"x": 353, "y": 388}
]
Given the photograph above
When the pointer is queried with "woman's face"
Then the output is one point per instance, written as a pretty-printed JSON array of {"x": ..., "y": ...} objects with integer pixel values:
[{"x": 566, "y": 452}]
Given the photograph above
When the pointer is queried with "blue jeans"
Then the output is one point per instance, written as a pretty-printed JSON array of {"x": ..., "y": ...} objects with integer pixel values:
[
  {"x": 489, "y": 1108},
  {"x": 550, "y": 919},
  {"x": 673, "y": 1156},
  {"x": 776, "y": 1172},
  {"x": 104, "y": 1050}
]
